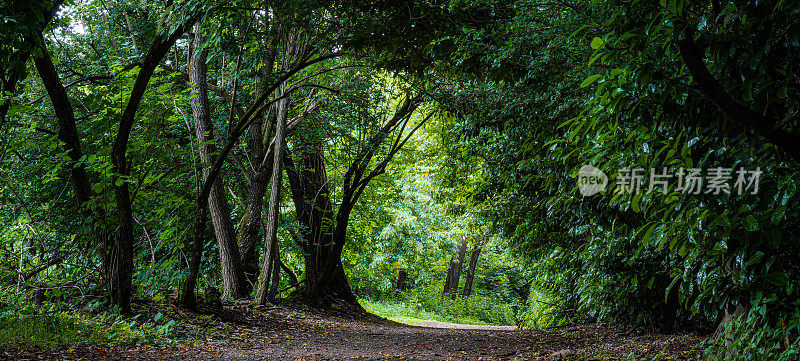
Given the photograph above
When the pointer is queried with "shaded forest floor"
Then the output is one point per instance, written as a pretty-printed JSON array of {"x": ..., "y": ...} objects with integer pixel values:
[{"x": 295, "y": 332}]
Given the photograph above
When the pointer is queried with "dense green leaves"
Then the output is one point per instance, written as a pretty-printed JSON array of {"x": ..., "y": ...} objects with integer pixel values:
[{"x": 517, "y": 97}]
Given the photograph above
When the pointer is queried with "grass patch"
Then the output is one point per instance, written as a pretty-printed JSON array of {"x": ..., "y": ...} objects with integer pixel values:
[
  {"x": 425, "y": 304},
  {"x": 403, "y": 312},
  {"x": 49, "y": 326}
]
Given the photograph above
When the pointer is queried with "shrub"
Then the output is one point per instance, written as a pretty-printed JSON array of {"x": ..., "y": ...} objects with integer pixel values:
[
  {"x": 473, "y": 309},
  {"x": 541, "y": 310},
  {"x": 752, "y": 337},
  {"x": 50, "y": 325}
]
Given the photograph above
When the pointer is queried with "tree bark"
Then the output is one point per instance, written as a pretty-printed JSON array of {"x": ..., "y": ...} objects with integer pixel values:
[
  {"x": 14, "y": 71},
  {"x": 68, "y": 134},
  {"x": 325, "y": 232},
  {"x": 289, "y": 272},
  {"x": 462, "y": 253},
  {"x": 469, "y": 278},
  {"x": 325, "y": 280},
  {"x": 448, "y": 279},
  {"x": 261, "y": 155},
  {"x": 402, "y": 280},
  {"x": 764, "y": 126},
  {"x": 67, "y": 129},
  {"x": 248, "y": 230},
  {"x": 270, "y": 264},
  {"x": 189, "y": 299},
  {"x": 219, "y": 210},
  {"x": 259, "y": 133},
  {"x": 10, "y": 85},
  {"x": 122, "y": 264},
  {"x": 275, "y": 280}
]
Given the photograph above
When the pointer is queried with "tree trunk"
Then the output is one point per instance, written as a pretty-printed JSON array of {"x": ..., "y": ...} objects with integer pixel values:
[
  {"x": 289, "y": 272},
  {"x": 9, "y": 86},
  {"x": 269, "y": 265},
  {"x": 14, "y": 71},
  {"x": 470, "y": 276},
  {"x": 325, "y": 280},
  {"x": 232, "y": 275},
  {"x": 402, "y": 280},
  {"x": 122, "y": 264},
  {"x": 259, "y": 133},
  {"x": 448, "y": 280},
  {"x": 252, "y": 218},
  {"x": 68, "y": 134},
  {"x": 462, "y": 253},
  {"x": 187, "y": 297},
  {"x": 765, "y": 126},
  {"x": 245, "y": 119},
  {"x": 274, "y": 288},
  {"x": 729, "y": 325},
  {"x": 324, "y": 235},
  {"x": 67, "y": 130},
  {"x": 248, "y": 230}
]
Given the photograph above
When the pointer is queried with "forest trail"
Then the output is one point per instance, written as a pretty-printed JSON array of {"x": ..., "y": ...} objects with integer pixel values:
[
  {"x": 461, "y": 326},
  {"x": 293, "y": 332}
]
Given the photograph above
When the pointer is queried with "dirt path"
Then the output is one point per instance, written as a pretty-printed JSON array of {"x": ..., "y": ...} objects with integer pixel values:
[
  {"x": 461, "y": 326},
  {"x": 296, "y": 333}
]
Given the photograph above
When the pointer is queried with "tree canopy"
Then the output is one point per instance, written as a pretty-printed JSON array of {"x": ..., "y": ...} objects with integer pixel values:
[{"x": 429, "y": 150}]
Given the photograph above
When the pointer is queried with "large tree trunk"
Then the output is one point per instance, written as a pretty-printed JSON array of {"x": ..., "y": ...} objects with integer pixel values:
[
  {"x": 122, "y": 252},
  {"x": 448, "y": 279},
  {"x": 325, "y": 280},
  {"x": 261, "y": 160},
  {"x": 251, "y": 222},
  {"x": 325, "y": 234},
  {"x": 259, "y": 134},
  {"x": 270, "y": 263},
  {"x": 245, "y": 120},
  {"x": 462, "y": 253},
  {"x": 67, "y": 130},
  {"x": 469, "y": 278},
  {"x": 232, "y": 275},
  {"x": 68, "y": 134},
  {"x": 122, "y": 260},
  {"x": 454, "y": 272}
]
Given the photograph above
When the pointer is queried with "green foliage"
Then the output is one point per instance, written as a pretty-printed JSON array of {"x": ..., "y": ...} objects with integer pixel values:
[
  {"x": 522, "y": 95},
  {"x": 402, "y": 311},
  {"x": 541, "y": 311},
  {"x": 604, "y": 83},
  {"x": 426, "y": 303},
  {"x": 752, "y": 337},
  {"x": 54, "y": 325},
  {"x": 473, "y": 309}
]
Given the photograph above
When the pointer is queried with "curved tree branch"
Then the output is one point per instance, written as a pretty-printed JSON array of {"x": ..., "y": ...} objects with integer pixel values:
[{"x": 732, "y": 109}]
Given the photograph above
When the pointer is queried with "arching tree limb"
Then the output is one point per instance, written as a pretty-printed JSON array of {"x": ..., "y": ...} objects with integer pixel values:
[{"x": 739, "y": 113}]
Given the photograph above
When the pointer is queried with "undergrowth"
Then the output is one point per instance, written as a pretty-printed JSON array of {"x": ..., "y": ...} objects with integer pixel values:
[
  {"x": 28, "y": 325},
  {"x": 426, "y": 303},
  {"x": 753, "y": 337}
]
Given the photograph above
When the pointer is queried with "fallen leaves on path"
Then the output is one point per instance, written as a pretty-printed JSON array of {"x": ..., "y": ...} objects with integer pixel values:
[{"x": 295, "y": 332}]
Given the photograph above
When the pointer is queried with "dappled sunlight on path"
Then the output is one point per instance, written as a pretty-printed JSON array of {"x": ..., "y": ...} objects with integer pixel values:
[{"x": 460, "y": 326}]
